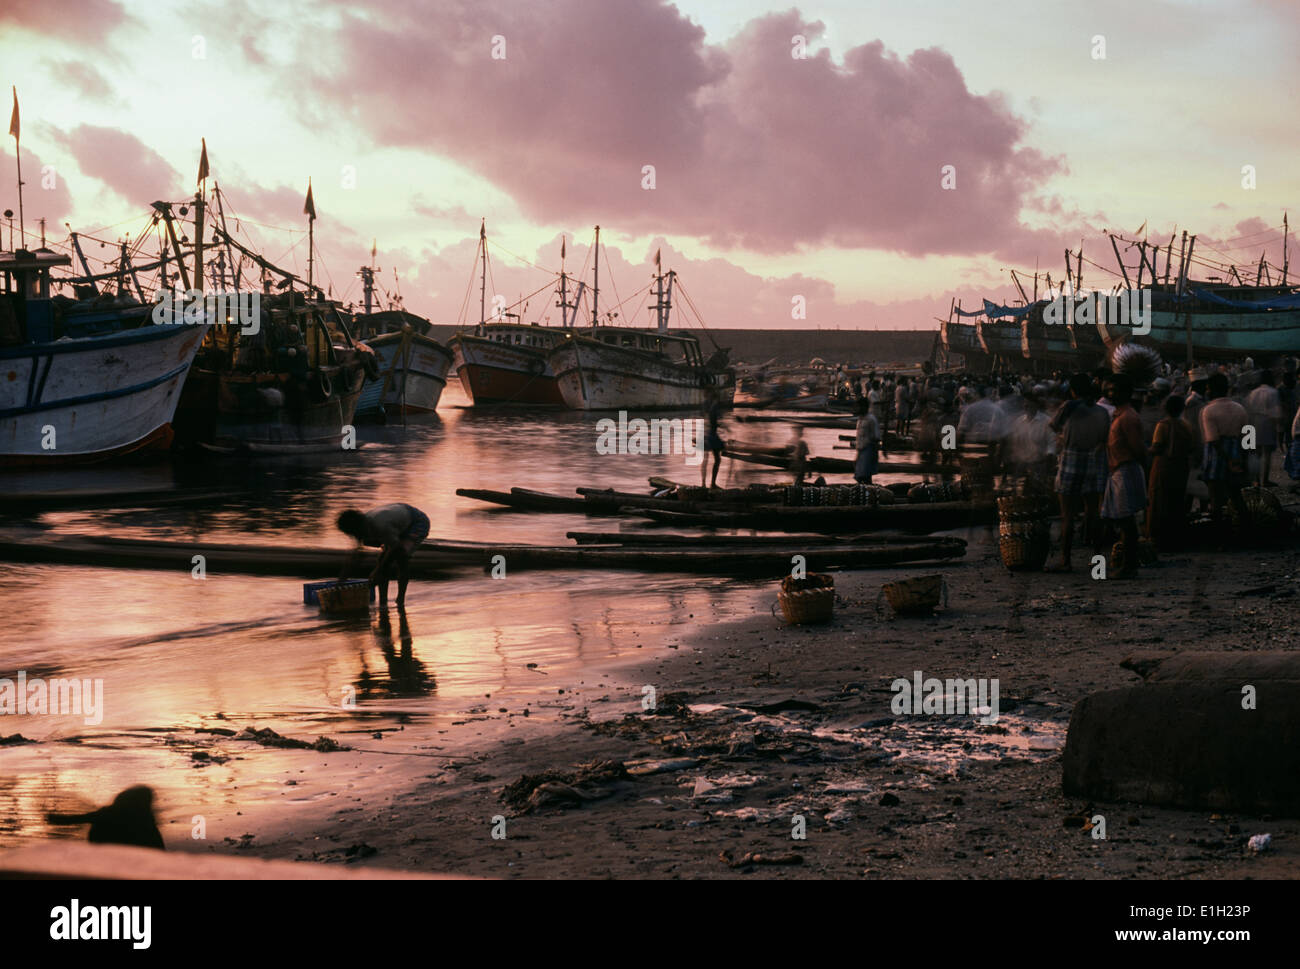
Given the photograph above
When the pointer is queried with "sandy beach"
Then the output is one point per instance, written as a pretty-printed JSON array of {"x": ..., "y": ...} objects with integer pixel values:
[{"x": 757, "y": 723}]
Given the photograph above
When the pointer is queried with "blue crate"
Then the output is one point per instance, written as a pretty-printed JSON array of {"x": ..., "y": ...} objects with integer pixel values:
[{"x": 309, "y": 589}]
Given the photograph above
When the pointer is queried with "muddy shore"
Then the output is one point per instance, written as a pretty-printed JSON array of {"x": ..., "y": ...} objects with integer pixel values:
[{"x": 756, "y": 723}]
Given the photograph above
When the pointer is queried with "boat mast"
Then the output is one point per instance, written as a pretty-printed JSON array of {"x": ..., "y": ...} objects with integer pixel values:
[
  {"x": 595, "y": 288},
  {"x": 1285, "y": 261},
  {"x": 482, "y": 292},
  {"x": 81, "y": 257},
  {"x": 564, "y": 300}
]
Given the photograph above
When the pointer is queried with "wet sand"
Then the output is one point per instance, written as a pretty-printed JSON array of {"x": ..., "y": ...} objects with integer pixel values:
[{"x": 881, "y": 796}]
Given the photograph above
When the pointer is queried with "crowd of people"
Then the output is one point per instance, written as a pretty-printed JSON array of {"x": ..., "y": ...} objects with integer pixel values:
[{"x": 1133, "y": 459}]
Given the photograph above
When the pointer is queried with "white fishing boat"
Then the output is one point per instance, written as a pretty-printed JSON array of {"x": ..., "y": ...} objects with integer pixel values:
[
  {"x": 620, "y": 368},
  {"x": 83, "y": 381}
]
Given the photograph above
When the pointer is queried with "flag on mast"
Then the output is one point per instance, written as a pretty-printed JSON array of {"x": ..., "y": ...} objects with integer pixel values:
[
  {"x": 13, "y": 118},
  {"x": 561, "y": 247},
  {"x": 309, "y": 209},
  {"x": 657, "y": 263},
  {"x": 203, "y": 162}
]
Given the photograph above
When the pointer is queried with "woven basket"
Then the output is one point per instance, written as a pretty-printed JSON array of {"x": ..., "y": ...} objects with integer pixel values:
[
  {"x": 1023, "y": 508},
  {"x": 1025, "y": 549},
  {"x": 1265, "y": 510},
  {"x": 805, "y": 601},
  {"x": 344, "y": 597},
  {"x": 916, "y": 596}
]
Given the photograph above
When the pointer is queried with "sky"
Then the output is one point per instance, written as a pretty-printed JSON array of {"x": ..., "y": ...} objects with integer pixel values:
[{"x": 864, "y": 162}]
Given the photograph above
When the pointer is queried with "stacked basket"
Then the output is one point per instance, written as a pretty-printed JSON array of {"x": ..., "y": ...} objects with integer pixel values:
[{"x": 1024, "y": 532}]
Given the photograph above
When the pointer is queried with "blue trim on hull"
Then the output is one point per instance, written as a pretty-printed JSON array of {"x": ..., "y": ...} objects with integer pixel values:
[{"x": 94, "y": 398}]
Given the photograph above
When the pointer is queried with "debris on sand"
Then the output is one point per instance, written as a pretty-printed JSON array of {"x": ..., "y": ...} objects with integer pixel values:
[
  {"x": 269, "y": 738},
  {"x": 558, "y": 788},
  {"x": 641, "y": 768},
  {"x": 14, "y": 739},
  {"x": 752, "y": 858}
]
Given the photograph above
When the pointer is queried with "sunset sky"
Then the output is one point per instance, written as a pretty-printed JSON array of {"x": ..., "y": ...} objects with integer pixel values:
[{"x": 775, "y": 176}]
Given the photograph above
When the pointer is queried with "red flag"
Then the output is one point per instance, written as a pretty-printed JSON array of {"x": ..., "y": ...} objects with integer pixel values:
[
  {"x": 13, "y": 118},
  {"x": 309, "y": 209},
  {"x": 657, "y": 265},
  {"x": 203, "y": 162},
  {"x": 561, "y": 247}
]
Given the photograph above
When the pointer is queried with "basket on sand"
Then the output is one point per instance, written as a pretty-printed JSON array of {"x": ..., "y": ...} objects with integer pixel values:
[
  {"x": 1265, "y": 511},
  {"x": 808, "y": 600},
  {"x": 344, "y": 597},
  {"x": 916, "y": 596},
  {"x": 1024, "y": 546}
]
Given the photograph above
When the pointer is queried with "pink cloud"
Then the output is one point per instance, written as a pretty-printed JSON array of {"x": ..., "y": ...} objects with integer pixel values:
[
  {"x": 122, "y": 162},
  {"x": 87, "y": 21},
  {"x": 751, "y": 146}
]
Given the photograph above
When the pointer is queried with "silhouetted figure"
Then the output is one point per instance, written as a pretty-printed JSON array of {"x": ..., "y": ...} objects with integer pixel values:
[{"x": 127, "y": 821}]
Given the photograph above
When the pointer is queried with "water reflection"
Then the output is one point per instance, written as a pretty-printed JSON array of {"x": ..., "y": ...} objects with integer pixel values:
[{"x": 407, "y": 675}]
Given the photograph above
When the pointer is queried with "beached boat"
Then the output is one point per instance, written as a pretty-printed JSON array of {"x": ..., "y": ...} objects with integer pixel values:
[
  {"x": 86, "y": 380},
  {"x": 961, "y": 338}
]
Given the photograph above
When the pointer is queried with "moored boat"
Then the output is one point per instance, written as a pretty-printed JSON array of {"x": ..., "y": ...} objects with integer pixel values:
[
  {"x": 84, "y": 380},
  {"x": 412, "y": 365}
]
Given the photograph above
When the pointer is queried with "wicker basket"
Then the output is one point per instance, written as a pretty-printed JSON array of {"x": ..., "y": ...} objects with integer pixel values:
[
  {"x": 1023, "y": 508},
  {"x": 344, "y": 597},
  {"x": 810, "y": 600},
  {"x": 1265, "y": 510},
  {"x": 916, "y": 596},
  {"x": 1024, "y": 548}
]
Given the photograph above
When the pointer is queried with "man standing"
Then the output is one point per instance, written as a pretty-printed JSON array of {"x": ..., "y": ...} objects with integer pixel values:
[
  {"x": 396, "y": 529},
  {"x": 1223, "y": 467},
  {"x": 1264, "y": 406},
  {"x": 1081, "y": 471},
  {"x": 1126, "y": 488},
  {"x": 868, "y": 445}
]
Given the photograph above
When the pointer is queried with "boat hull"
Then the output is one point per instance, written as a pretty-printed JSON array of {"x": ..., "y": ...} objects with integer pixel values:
[
  {"x": 597, "y": 376},
  {"x": 101, "y": 396},
  {"x": 500, "y": 374},
  {"x": 412, "y": 376},
  {"x": 1215, "y": 336}
]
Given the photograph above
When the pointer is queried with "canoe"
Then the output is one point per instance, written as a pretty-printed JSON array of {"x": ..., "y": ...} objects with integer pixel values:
[
  {"x": 920, "y": 517},
  {"x": 817, "y": 465},
  {"x": 672, "y": 540},
  {"x": 436, "y": 558}
]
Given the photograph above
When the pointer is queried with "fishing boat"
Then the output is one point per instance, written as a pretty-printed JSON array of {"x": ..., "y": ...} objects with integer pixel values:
[
  {"x": 961, "y": 338},
  {"x": 506, "y": 361},
  {"x": 85, "y": 380},
  {"x": 619, "y": 368},
  {"x": 291, "y": 387},
  {"x": 412, "y": 365}
]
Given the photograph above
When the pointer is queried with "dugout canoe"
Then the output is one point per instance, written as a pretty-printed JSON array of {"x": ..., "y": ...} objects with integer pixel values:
[
  {"x": 921, "y": 517},
  {"x": 748, "y": 541},
  {"x": 821, "y": 465},
  {"x": 437, "y": 558}
]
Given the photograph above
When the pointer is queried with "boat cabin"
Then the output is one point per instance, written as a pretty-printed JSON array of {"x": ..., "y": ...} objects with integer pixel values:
[
  {"x": 520, "y": 335},
  {"x": 683, "y": 349},
  {"x": 26, "y": 308}
]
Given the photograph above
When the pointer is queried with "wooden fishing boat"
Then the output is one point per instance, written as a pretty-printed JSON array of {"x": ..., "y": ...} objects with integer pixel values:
[
  {"x": 87, "y": 380},
  {"x": 920, "y": 517},
  {"x": 778, "y": 458},
  {"x": 505, "y": 362},
  {"x": 958, "y": 337},
  {"x": 412, "y": 365},
  {"x": 622, "y": 368}
]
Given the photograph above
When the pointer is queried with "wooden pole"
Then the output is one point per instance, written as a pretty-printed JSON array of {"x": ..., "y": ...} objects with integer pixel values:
[{"x": 1122, "y": 268}]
